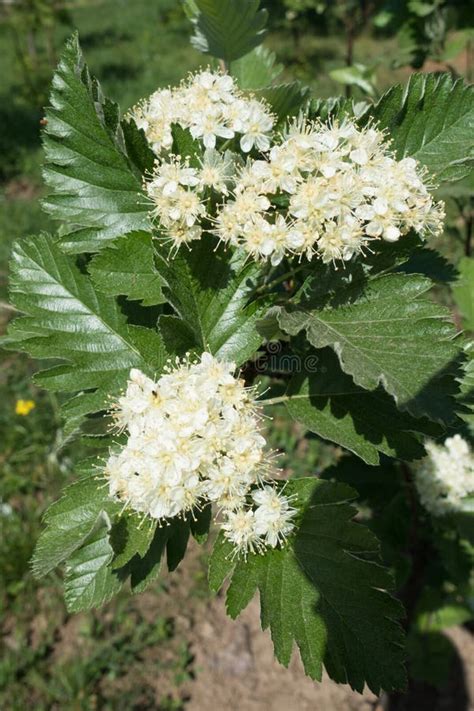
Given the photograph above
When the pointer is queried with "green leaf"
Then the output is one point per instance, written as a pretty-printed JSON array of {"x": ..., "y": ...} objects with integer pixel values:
[
  {"x": 389, "y": 335},
  {"x": 355, "y": 75},
  {"x": 432, "y": 120},
  {"x": 388, "y": 257},
  {"x": 93, "y": 187},
  {"x": 178, "y": 337},
  {"x": 461, "y": 191},
  {"x": 325, "y": 591},
  {"x": 131, "y": 535},
  {"x": 377, "y": 486},
  {"x": 466, "y": 395},
  {"x": 127, "y": 268},
  {"x": 141, "y": 547},
  {"x": 210, "y": 293},
  {"x": 221, "y": 562},
  {"x": 463, "y": 292},
  {"x": 69, "y": 522},
  {"x": 329, "y": 403},
  {"x": 256, "y": 70},
  {"x": 171, "y": 538},
  {"x": 285, "y": 100},
  {"x": 431, "y": 264},
  {"x": 68, "y": 320},
  {"x": 226, "y": 29},
  {"x": 140, "y": 544},
  {"x": 176, "y": 544},
  {"x": 137, "y": 146},
  {"x": 200, "y": 523},
  {"x": 335, "y": 108},
  {"x": 185, "y": 145},
  {"x": 437, "y": 618},
  {"x": 89, "y": 582},
  {"x": 463, "y": 519}
]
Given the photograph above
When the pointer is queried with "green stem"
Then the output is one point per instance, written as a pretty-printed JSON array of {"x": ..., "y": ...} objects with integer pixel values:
[
  {"x": 283, "y": 277},
  {"x": 274, "y": 400},
  {"x": 226, "y": 144}
]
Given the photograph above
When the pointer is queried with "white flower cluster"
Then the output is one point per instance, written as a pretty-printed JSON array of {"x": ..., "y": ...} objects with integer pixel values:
[
  {"x": 340, "y": 188},
  {"x": 445, "y": 476},
  {"x": 324, "y": 189},
  {"x": 178, "y": 193},
  {"x": 211, "y": 106},
  {"x": 194, "y": 438}
]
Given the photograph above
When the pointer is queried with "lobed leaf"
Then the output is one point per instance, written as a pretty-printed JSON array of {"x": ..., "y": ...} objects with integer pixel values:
[
  {"x": 285, "y": 100},
  {"x": 67, "y": 319},
  {"x": 89, "y": 581},
  {"x": 131, "y": 535},
  {"x": 70, "y": 521},
  {"x": 431, "y": 264},
  {"x": 329, "y": 403},
  {"x": 93, "y": 188},
  {"x": 432, "y": 120},
  {"x": 377, "y": 486},
  {"x": 388, "y": 335},
  {"x": 226, "y": 29},
  {"x": 256, "y": 70},
  {"x": 172, "y": 539},
  {"x": 156, "y": 543},
  {"x": 127, "y": 268},
  {"x": 211, "y": 294},
  {"x": 324, "y": 591}
]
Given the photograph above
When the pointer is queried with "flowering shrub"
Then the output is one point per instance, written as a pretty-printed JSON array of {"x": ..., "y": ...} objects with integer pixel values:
[{"x": 216, "y": 226}]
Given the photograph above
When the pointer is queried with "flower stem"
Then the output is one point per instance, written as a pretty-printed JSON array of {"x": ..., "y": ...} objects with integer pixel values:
[
  {"x": 226, "y": 144},
  {"x": 274, "y": 400},
  {"x": 283, "y": 277}
]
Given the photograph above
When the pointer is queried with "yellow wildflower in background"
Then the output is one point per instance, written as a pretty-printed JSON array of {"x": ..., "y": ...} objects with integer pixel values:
[{"x": 24, "y": 407}]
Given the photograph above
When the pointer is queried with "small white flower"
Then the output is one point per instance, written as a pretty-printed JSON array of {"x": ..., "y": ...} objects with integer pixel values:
[
  {"x": 209, "y": 126},
  {"x": 156, "y": 116},
  {"x": 239, "y": 528},
  {"x": 216, "y": 172},
  {"x": 257, "y": 125},
  {"x": 218, "y": 87},
  {"x": 359, "y": 156},
  {"x": 273, "y": 516},
  {"x": 170, "y": 175}
]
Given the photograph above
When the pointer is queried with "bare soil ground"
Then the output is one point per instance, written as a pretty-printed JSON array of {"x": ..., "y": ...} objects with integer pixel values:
[{"x": 233, "y": 667}]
